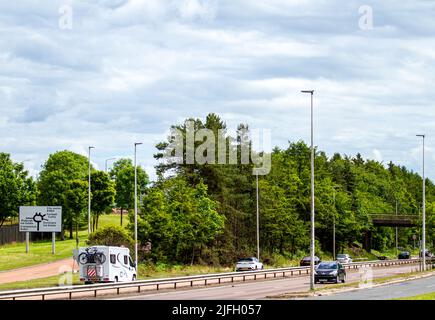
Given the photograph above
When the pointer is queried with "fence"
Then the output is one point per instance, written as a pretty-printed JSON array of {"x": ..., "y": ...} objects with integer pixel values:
[{"x": 11, "y": 233}]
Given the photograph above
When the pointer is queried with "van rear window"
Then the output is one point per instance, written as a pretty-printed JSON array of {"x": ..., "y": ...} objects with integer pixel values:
[{"x": 112, "y": 259}]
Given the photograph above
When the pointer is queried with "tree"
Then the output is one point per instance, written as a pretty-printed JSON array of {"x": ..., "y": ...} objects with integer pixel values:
[
  {"x": 103, "y": 195},
  {"x": 362, "y": 187},
  {"x": 60, "y": 169},
  {"x": 123, "y": 175},
  {"x": 76, "y": 201},
  {"x": 16, "y": 188},
  {"x": 178, "y": 220},
  {"x": 111, "y": 236}
]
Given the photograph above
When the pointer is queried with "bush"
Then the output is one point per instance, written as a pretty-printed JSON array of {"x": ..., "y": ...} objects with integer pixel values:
[{"x": 111, "y": 236}]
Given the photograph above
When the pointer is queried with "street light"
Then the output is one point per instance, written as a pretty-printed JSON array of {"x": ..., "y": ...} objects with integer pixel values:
[
  {"x": 106, "y": 163},
  {"x": 258, "y": 225},
  {"x": 89, "y": 190},
  {"x": 135, "y": 203},
  {"x": 424, "y": 213},
  {"x": 311, "y": 92},
  {"x": 333, "y": 223}
]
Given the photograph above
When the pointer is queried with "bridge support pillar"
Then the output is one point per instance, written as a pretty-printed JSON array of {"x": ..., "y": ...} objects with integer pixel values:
[{"x": 367, "y": 245}]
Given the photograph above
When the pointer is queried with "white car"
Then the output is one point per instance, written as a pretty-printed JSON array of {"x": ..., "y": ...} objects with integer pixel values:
[
  {"x": 248, "y": 264},
  {"x": 344, "y": 258}
]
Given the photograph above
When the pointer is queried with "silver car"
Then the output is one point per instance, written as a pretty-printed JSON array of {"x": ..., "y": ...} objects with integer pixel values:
[
  {"x": 247, "y": 264},
  {"x": 344, "y": 258}
]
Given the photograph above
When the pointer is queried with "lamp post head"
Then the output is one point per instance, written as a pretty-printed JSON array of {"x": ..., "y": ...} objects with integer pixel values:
[
  {"x": 421, "y": 135},
  {"x": 308, "y": 91},
  {"x": 137, "y": 143}
]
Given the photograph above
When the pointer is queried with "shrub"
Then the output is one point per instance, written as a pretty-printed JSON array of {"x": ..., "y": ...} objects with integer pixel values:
[{"x": 111, "y": 236}]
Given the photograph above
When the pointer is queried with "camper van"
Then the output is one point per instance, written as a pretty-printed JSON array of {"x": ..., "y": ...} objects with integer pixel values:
[{"x": 105, "y": 264}]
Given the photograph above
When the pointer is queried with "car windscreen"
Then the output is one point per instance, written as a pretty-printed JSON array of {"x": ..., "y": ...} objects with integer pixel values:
[
  {"x": 327, "y": 266},
  {"x": 341, "y": 256},
  {"x": 246, "y": 260}
]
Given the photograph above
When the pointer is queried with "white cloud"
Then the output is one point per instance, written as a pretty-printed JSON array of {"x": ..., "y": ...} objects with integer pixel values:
[{"x": 129, "y": 69}]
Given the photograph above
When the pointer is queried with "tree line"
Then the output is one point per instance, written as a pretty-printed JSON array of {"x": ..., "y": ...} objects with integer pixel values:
[
  {"x": 63, "y": 181},
  {"x": 206, "y": 213}
]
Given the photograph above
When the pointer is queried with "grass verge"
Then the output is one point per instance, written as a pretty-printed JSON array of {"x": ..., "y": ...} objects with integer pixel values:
[
  {"x": 14, "y": 255},
  {"x": 427, "y": 296},
  {"x": 43, "y": 282}
]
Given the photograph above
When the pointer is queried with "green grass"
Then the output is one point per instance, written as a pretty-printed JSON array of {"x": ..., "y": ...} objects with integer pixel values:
[
  {"x": 14, "y": 255},
  {"x": 427, "y": 296},
  {"x": 169, "y": 271},
  {"x": 43, "y": 282}
]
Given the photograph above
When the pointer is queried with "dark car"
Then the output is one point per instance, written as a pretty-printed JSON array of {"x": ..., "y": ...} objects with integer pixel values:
[
  {"x": 330, "y": 271},
  {"x": 428, "y": 253},
  {"x": 404, "y": 255},
  {"x": 306, "y": 261}
]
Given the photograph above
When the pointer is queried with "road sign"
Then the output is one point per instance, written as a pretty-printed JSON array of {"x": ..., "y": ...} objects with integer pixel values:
[
  {"x": 40, "y": 219},
  {"x": 414, "y": 237}
]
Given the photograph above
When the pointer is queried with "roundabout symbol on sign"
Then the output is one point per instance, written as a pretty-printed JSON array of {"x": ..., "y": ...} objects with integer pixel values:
[{"x": 38, "y": 218}]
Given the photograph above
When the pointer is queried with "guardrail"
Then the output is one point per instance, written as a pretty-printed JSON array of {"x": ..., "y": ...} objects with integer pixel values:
[{"x": 205, "y": 279}]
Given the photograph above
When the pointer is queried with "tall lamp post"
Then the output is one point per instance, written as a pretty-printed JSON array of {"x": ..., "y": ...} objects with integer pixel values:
[
  {"x": 312, "y": 247},
  {"x": 105, "y": 167},
  {"x": 333, "y": 227},
  {"x": 258, "y": 225},
  {"x": 135, "y": 204},
  {"x": 89, "y": 189},
  {"x": 423, "y": 237}
]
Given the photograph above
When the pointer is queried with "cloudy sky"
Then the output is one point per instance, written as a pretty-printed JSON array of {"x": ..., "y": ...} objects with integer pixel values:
[{"x": 109, "y": 73}]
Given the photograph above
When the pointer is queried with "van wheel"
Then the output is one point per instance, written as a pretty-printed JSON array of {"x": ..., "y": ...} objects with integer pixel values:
[
  {"x": 134, "y": 278},
  {"x": 116, "y": 280}
]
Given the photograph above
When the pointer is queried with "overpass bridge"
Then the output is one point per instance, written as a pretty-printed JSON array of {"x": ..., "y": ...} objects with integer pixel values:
[
  {"x": 394, "y": 220},
  {"x": 390, "y": 220}
]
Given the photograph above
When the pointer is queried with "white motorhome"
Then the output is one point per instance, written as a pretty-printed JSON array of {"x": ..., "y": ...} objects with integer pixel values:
[{"x": 105, "y": 264}]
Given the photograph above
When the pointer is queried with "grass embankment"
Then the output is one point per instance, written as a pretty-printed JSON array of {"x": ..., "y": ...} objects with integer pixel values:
[
  {"x": 427, "y": 296},
  {"x": 14, "y": 255},
  {"x": 54, "y": 281}
]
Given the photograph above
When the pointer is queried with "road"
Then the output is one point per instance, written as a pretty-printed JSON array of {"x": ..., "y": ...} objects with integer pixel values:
[
  {"x": 37, "y": 271},
  {"x": 260, "y": 289},
  {"x": 399, "y": 290}
]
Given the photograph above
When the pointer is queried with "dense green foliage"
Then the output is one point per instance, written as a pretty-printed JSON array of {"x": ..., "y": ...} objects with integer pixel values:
[
  {"x": 348, "y": 189},
  {"x": 55, "y": 179},
  {"x": 103, "y": 195},
  {"x": 123, "y": 174},
  {"x": 206, "y": 212},
  {"x": 16, "y": 188},
  {"x": 178, "y": 220},
  {"x": 111, "y": 236},
  {"x": 75, "y": 202},
  {"x": 63, "y": 181}
]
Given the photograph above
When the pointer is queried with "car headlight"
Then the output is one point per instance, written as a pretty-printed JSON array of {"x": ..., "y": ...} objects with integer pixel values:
[{"x": 334, "y": 273}]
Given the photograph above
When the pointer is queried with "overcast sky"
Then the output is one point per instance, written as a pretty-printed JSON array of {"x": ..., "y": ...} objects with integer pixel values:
[{"x": 123, "y": 71}]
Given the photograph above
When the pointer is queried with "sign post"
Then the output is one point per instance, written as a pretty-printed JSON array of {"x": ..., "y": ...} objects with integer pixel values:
[
  {"x": 41, "y": 219},
  {"x": 53, "y": 243},
  {"x": 27, "y": 242}
]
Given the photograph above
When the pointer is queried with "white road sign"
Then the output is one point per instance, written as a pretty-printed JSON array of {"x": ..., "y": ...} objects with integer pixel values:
[{"x": 40, "y": 219}]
